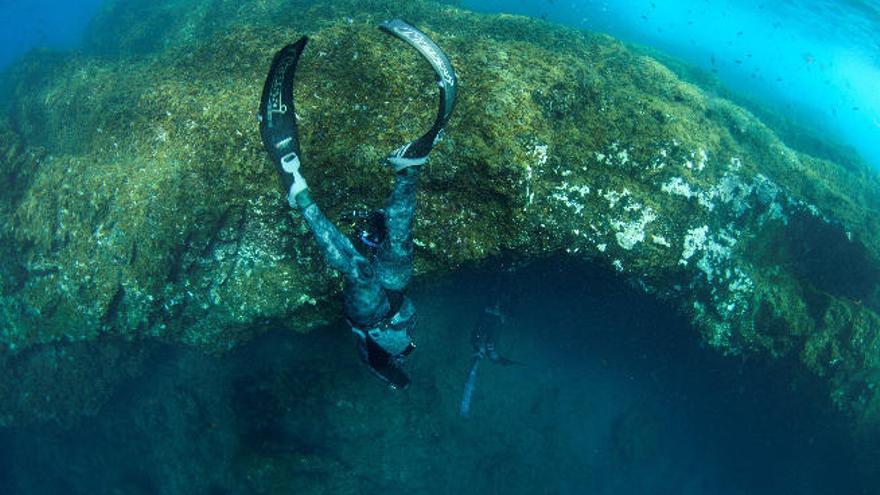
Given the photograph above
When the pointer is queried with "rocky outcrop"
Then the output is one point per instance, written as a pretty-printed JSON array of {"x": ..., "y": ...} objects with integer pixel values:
[{"x": 141, "y": 203}]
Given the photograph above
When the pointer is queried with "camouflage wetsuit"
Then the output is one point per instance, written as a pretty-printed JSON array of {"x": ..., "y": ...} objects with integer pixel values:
[{"x": 374, "y": 289}]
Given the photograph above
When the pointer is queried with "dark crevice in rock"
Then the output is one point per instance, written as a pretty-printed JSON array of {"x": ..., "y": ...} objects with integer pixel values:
[
  {"x": 179, "y": 263},
  {"x": 826, "y": 258},
  {"x": 817, "y": 301},
  {"x": 133, "y": 256},
  {"x": 42, "y": 272},
  {"x": 114, "y": 307},
  {"x": 211, "y": 246},
  {"x": 822, "y": 257},
  {"x": 15, "y": 273}
]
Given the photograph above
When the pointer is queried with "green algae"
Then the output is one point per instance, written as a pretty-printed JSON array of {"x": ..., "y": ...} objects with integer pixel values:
[{"x": 141, "y": 202}]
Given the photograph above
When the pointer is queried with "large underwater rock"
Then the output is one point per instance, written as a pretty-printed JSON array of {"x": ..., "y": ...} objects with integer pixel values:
[{"x": 138, "y": 200}]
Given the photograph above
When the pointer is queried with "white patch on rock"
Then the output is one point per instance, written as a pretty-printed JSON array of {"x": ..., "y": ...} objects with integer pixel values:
[
  {"x": 539, "y": 151},
  {"x": 694, "y": 241},
  {"x": 678, "y": 187},
  {"x": 565, "y": 194},
  {"x": 716, "y": 250},
  {"x": 659, "y": 239},
  {"x": 631, "y": 233},
  {"x": 698, "y": 160},
  {"x": 614, "y": 197},
  {"x": 702, "y": 159},
  {"x": 733, "y": 191}
]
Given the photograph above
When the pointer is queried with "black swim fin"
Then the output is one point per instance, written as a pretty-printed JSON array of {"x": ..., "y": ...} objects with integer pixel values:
[
  {"x": 416, "y": 152},
  {"x": 277, "y": 115}
]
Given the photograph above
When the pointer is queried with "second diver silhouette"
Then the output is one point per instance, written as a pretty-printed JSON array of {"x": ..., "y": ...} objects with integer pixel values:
[{"x": 483, "y": 339}]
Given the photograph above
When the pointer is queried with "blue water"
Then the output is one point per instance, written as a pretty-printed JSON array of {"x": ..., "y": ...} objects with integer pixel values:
[
  {"x": 28, "y": 24},
  {"x": 815, "y": 60}
]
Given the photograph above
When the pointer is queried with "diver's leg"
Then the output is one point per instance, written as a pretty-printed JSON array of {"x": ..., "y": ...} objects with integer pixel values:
[
  {"x": 395, "y": 257},
  {"x": 365, "y": 300}
]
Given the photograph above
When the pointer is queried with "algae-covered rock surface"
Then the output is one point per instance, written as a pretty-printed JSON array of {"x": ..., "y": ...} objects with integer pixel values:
[{"x": 138, "y": 200}]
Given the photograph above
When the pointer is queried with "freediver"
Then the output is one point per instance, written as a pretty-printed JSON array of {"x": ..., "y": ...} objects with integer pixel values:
[
  {"x": 376, "y": 306},
  {"x": 484, "y": 339}
]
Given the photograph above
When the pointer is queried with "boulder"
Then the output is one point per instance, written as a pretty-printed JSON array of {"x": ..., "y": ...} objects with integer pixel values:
[{"x": 139, "y": 202}]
